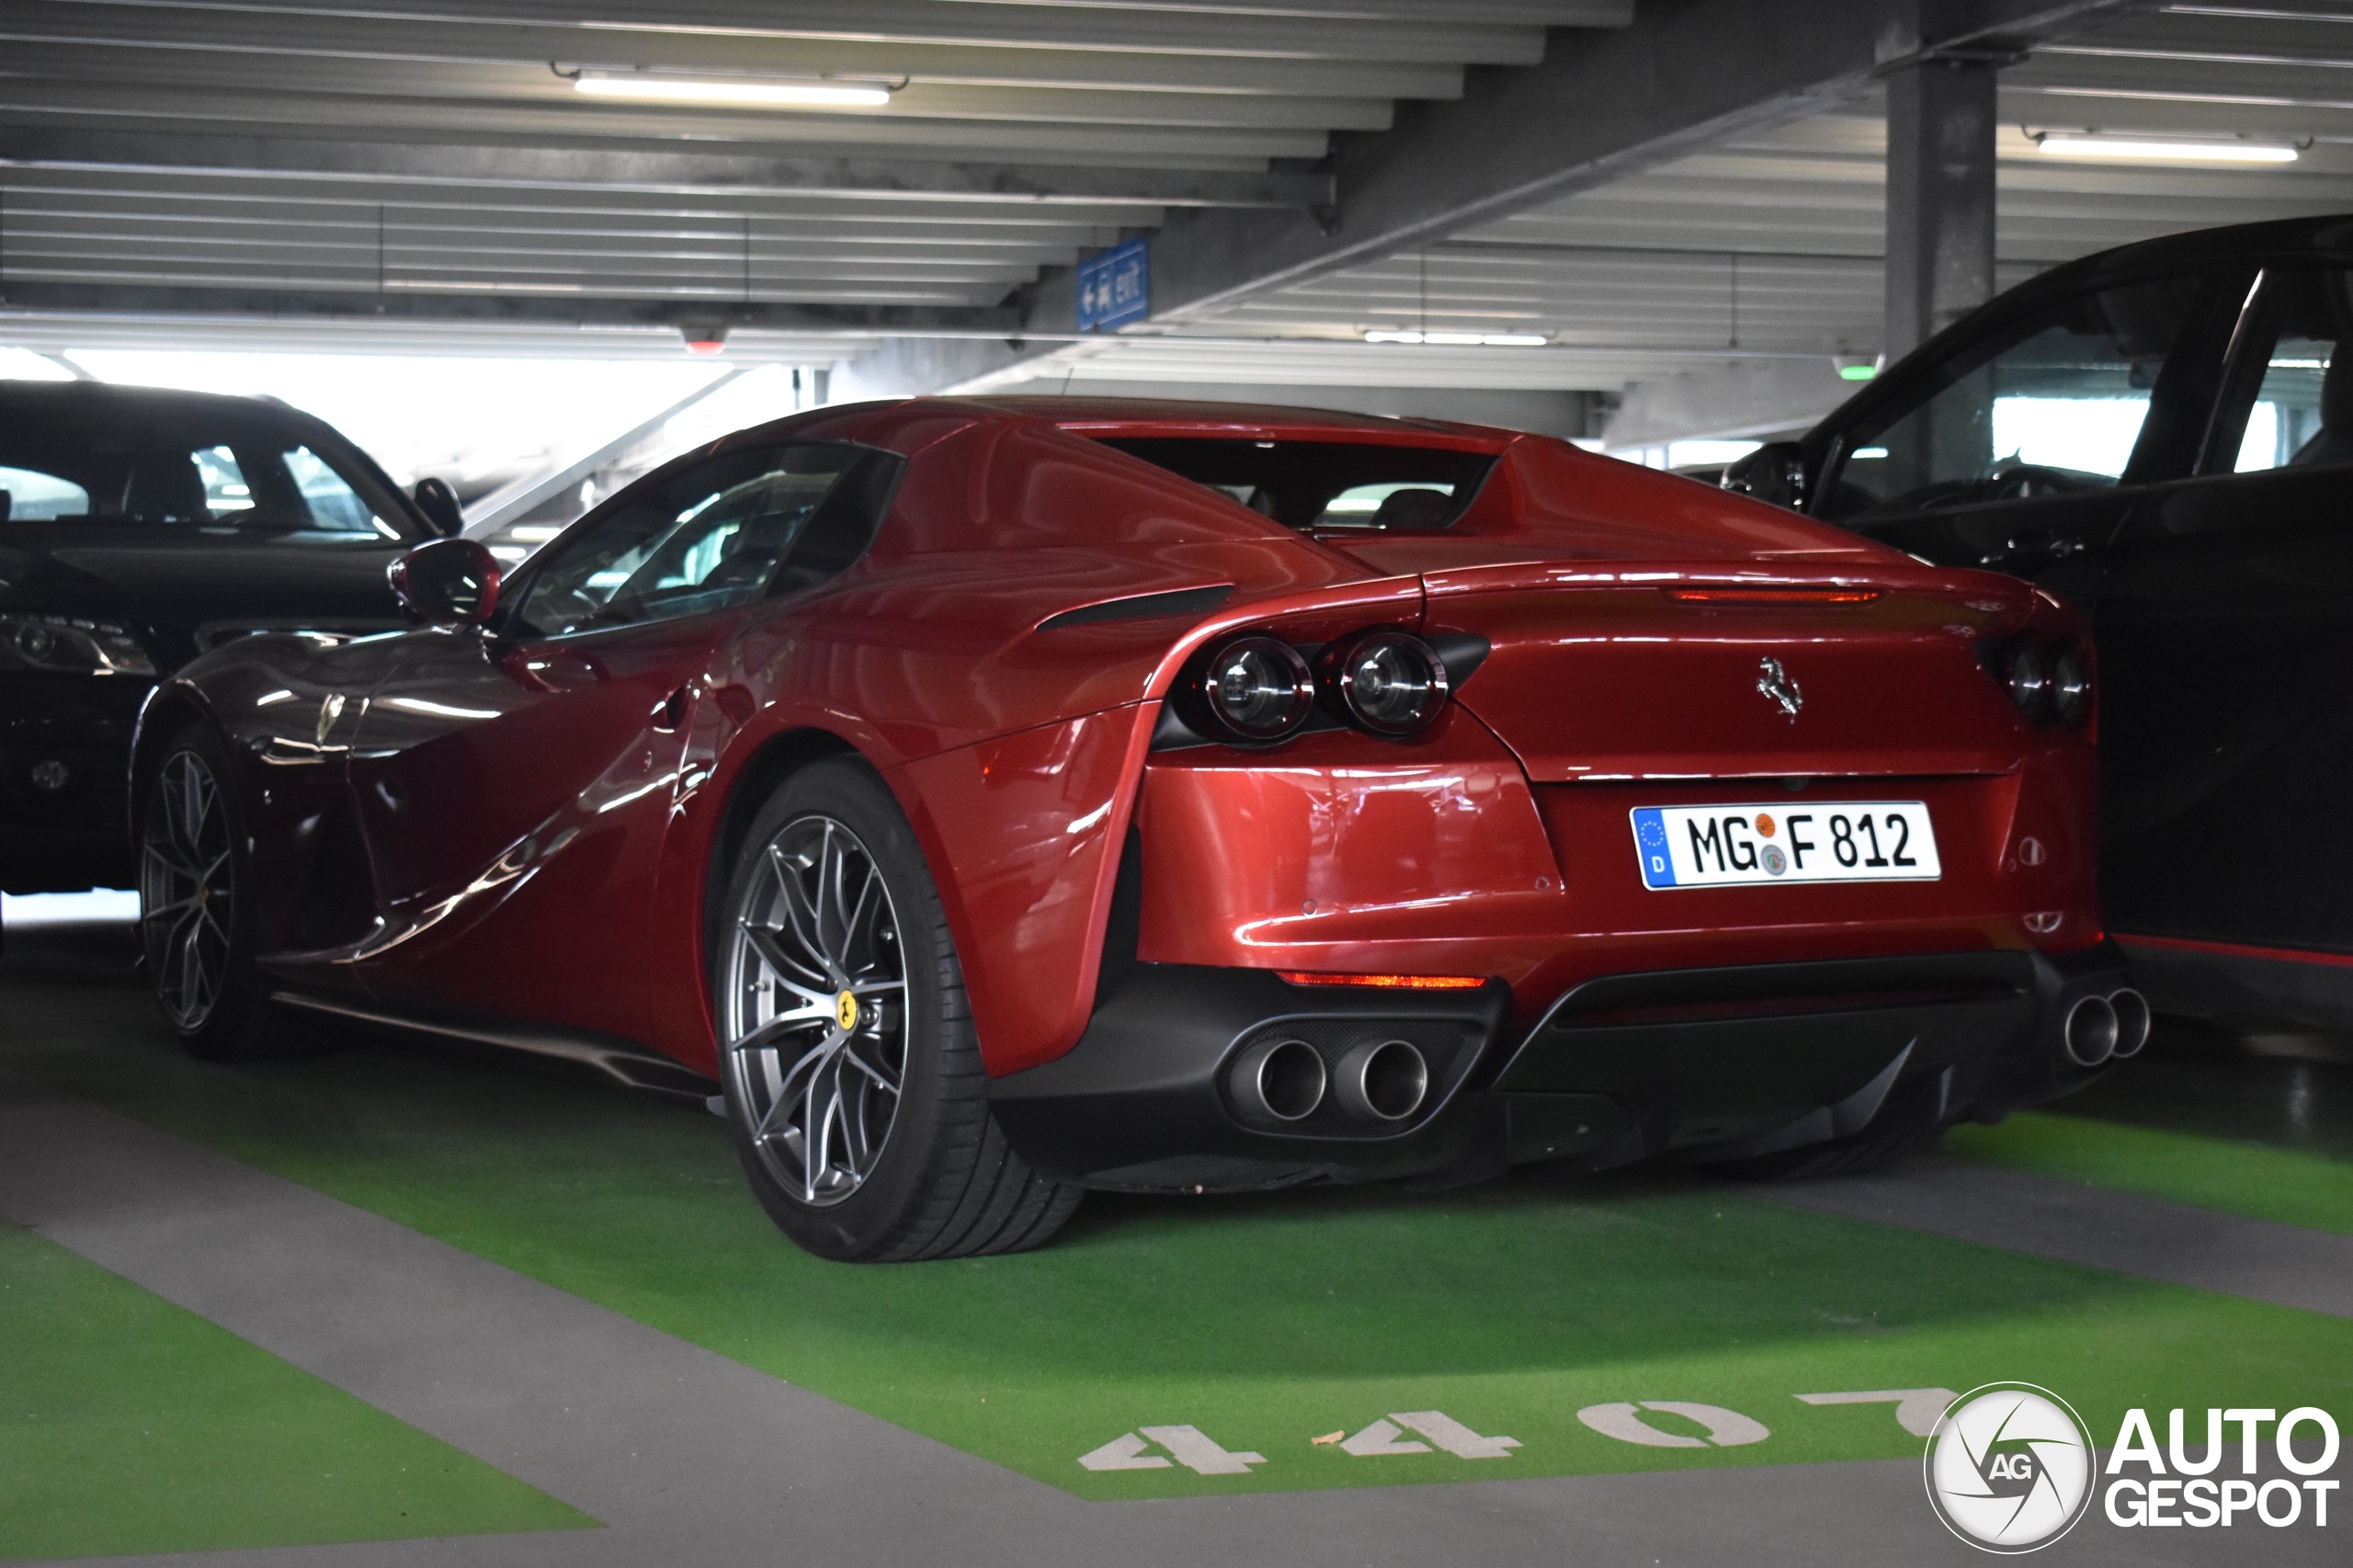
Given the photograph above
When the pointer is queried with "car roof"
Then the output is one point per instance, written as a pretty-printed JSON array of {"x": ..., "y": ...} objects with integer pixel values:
[
  {"x": 107, "y": 402},
  {"x": 2327, "y": 236},
  {"x": 1179, "y": 418},
  {"x": 906, "y": 424}
]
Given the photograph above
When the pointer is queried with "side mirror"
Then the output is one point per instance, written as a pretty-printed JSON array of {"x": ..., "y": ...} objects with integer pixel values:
[
  {"x": 451, "y": 582},
  {"x": 439, "y": 504},
  {"x": 1774, "y": 473}
]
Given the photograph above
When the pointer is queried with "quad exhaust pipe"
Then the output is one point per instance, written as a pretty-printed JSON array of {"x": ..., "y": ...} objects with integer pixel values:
[
  {"x": 1284, "y": 1079},
  {"x": 1279, "y": 1080},
  {"x": 1382, "y": 1083},
  {"x": 2101, "y": 1027}
]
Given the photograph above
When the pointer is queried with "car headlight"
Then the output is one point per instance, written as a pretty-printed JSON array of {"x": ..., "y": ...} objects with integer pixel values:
[
  {"x": 1390, "y": 682},
  {"x": 73, "y": 645},
  {"x": 1254, "y": 690}
]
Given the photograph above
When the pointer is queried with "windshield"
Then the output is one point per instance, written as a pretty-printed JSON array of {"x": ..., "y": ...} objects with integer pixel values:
[
  {"x": 1356, "y": 486},
  {"x": 231, "y": 468}
]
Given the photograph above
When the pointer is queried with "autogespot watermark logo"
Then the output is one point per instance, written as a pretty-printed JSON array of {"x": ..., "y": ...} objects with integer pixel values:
[{"x": 2010, "y": 1469}]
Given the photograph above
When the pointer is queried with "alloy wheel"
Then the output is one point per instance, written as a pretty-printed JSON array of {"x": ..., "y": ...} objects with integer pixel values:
[
  {"x": 187, "y": 890},
  {"x": 816, "y": 1010}
]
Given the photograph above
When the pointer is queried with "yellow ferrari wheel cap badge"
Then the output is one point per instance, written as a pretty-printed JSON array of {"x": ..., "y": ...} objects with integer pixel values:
[{"x": 845, "y": 1011}]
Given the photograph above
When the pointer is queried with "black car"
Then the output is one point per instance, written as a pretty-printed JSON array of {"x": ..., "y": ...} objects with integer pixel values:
[
  {"x": 137, "y": 529},
  {"x": 2162, "y": 434}
]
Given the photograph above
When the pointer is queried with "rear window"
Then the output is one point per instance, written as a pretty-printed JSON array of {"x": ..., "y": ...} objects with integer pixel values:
[{"x": 1320, "y": 487}]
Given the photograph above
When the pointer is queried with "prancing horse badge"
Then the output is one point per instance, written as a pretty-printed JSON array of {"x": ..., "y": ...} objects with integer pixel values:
[{"x": 1775, "y": 682}]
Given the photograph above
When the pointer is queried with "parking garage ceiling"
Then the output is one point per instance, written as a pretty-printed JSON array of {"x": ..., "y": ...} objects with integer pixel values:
[
  {"x": 395, "y": 163},
  {"x": 295, "y": 173}
]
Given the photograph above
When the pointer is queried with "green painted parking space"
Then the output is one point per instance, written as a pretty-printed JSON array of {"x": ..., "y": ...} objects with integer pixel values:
[
  {"x": 2231, "y": 1176},
  {"x": 1548, "y": 1310},
  {"x": 129, "y": 1426}
]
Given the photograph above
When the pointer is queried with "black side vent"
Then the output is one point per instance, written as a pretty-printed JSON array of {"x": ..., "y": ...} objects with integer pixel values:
[{"x": 1143, "y": 607}]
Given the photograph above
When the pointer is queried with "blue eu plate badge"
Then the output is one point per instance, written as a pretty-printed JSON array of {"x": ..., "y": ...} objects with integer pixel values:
[{"x": 1649, "y": 837}]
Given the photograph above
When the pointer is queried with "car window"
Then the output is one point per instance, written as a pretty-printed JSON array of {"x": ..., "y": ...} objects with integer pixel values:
[
  {"x": 2301, "y": 413},
  {"x": 33, "y": 496},
  {"x": 709, "y": 536},
  {"x": 2054, "y": 403},
  {"x": 225, "y": 490},
  {"x": 241, "y": 469},
  {"x": 327, "y": 496},
  {"x": 1366, "y": 505},
  {"x": 1326, "y": 484}
]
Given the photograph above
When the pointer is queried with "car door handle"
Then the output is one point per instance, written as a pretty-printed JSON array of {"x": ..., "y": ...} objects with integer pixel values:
[
  {"x": 553, "y": 670},
  {"x": 671, "y": 711}
]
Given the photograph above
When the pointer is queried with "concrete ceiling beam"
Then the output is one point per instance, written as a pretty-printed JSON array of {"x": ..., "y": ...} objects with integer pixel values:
[
  {"x": 358, "y": 305},
  {"x": 438, "y": 164},
  {"x": 1312, "y": 29}
]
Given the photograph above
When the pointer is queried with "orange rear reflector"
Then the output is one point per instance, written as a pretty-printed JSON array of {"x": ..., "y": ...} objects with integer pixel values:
[
  {"x": 1388, "y": 982},
  {"x": 1772, "y": 595}
]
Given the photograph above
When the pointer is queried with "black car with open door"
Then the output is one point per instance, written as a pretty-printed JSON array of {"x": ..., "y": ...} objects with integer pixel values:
[
  {"x": 2164, "y": 434},
  {"x": 139, "y": 528}
]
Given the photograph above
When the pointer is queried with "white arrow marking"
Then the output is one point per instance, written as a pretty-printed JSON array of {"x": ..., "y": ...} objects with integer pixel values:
[
  {"x": 1381, "y": 1438},
  {"x": 1916, "y": 1410},
  {"x": 1455, "y": 1438},
  {"x": 1198, "y": 1452},
  {"x": 1125, "y": 1451}
]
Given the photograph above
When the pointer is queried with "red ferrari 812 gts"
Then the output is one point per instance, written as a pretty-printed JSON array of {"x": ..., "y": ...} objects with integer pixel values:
[{"x": 986, "y": 800}]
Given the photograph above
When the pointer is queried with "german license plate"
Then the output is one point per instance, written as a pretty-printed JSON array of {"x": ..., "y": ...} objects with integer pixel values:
[{"x": 1812, "y": 841}]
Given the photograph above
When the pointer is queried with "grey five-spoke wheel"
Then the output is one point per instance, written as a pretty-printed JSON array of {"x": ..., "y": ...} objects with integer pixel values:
[
  {"x": 196, "y": 906},
  {"x": 853, "y": 1078},
  {"x": 187, "y": 898},
  {"x": 816, "y": 1009}
]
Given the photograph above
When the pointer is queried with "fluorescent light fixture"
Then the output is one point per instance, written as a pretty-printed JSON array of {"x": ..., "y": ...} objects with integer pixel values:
[
  {"x": 745, "y": 90},
  {"x": 2149, "y": 151},
  {"x": 1459, "y": 339}
]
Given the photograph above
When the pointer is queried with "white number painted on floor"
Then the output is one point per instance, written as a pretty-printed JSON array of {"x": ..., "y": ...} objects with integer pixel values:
[
  {"x": 1916, "y": 1410},
  {"x": 1726, "y": 1429},
  {"x": 1384, "y": 1438},
  {"x": 1125, "y": 1451},
  {"x": 1192, "y": 1447}
]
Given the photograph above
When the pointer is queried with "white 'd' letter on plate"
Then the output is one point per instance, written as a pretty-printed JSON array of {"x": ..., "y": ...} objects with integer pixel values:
[{"x": 1785, "y": 841}]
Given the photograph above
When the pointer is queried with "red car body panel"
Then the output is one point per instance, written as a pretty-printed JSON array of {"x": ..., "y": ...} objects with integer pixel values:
[{"x": 567, "y": 873}]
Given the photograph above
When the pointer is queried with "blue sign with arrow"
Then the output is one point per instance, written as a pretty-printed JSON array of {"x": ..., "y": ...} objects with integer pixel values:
[{"x": 1114, "y": 287}]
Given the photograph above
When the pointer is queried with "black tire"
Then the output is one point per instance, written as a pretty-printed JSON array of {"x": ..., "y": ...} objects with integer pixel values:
[
  {"x": 200, "y": 962},
  {"x": 923, "y": 1170}
]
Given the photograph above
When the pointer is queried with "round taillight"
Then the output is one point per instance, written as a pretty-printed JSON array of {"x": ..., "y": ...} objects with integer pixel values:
[
  {"x": 2071, "y": 683},
  {"x": 2027, "y": 674},
  {"x": 1255, "y": 689},
  {"x": 1390, "y": 682}
]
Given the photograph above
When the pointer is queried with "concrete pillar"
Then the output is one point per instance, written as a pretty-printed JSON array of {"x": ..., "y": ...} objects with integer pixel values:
[{"x": 1940, "y": 122}]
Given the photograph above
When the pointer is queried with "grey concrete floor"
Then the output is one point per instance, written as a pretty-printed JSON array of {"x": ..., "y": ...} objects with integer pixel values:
[{"x": 687, "y": 1457}]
